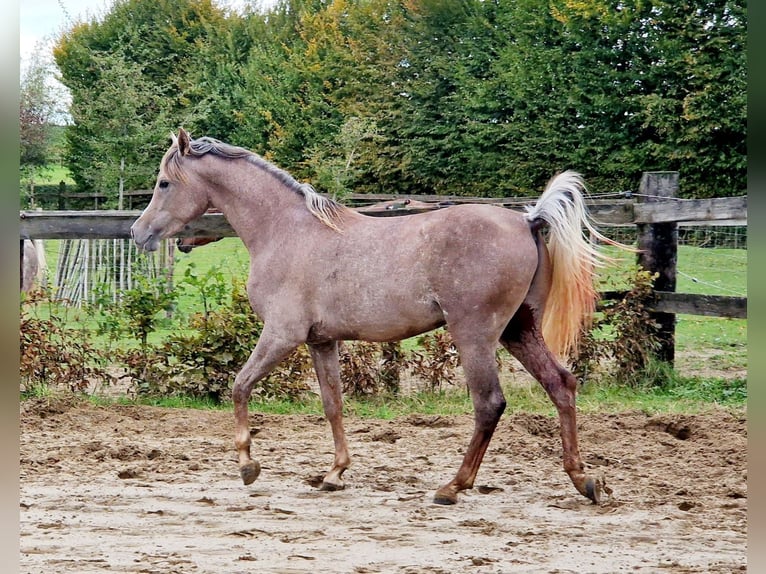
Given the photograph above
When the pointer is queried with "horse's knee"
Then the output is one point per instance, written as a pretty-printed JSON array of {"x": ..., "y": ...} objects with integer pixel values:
[
  {"x": 488, "y": 413},
  {"x": 240, "y": 392}
]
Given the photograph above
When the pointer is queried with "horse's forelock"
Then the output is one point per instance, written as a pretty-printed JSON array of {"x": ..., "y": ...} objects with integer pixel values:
[{"x": 171, "y": 163}]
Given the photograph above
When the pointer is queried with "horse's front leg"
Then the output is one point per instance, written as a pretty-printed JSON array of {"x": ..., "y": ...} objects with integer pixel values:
[
  {"x": 268, "y": 353},
  {"x": 327, "y": 367}
]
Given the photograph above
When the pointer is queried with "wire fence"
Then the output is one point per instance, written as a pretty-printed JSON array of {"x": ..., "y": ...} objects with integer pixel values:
[{"x": 708, "y": 236}]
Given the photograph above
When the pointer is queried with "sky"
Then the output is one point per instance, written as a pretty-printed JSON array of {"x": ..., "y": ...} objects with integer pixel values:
[{"x": 43, "y": 20}]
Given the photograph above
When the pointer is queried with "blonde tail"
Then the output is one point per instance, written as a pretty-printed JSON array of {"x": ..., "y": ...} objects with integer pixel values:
[{"x": 572, "y": 297}]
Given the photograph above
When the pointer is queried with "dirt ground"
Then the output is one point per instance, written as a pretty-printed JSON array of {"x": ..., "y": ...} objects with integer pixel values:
[{"x": 153, "y": 490}]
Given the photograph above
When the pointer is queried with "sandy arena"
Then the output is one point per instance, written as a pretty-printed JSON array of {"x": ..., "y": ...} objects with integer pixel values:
[{"x": 153, "y": 490}]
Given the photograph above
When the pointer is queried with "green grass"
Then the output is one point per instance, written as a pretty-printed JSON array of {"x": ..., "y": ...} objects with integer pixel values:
[
  {"x": 713, "y": 272},
  {"x": 678, "y": 395},
  {"x": 715, "y": 342},
  {"x": 228, "y": 255},
  {"x": 52, "y": 174}
]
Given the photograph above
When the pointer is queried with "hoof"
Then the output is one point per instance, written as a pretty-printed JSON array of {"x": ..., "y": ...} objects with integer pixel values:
[
  {"x": 249, "y": 472},
  {"x": 445, "y": 497},
  {"x": 593, "y": 489},
  {"x": 331, "y": 486}
]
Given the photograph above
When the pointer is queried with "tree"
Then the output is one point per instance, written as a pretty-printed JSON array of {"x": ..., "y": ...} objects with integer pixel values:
[
  {"x": 657, "y": 85},
  {"x": 39, "y": 106},
  {"x": 131, "y": 76},
  {"x": 122, "y": 123},
  {"x": 465, "y": 97}
]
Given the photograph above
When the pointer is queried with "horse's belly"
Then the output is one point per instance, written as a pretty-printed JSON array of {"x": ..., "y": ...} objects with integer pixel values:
[{"x": 386, "y": 318}]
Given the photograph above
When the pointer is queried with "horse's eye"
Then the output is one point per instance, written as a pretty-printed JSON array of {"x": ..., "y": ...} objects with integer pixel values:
[{"x": 164, "y": 184}]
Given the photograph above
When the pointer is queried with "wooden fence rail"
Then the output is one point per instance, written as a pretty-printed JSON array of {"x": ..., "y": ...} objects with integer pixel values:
[{"x": 113, "y": 224}]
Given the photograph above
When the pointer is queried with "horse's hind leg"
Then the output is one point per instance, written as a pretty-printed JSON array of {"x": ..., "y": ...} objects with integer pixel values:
[
  {"x": 524, "y": 341},
  {"x": 480, "y": 368},
  {"x": 327, "y": 367}
]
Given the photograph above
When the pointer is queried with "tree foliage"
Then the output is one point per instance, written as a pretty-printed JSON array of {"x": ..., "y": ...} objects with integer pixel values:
[
  {"x": 39, "y": 106},
  {"x": 130, "y": 76},
  {"x": 462, "y": 97}
]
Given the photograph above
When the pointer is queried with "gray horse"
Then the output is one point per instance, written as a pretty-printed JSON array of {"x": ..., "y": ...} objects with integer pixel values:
[{"x": 321, "y": 273}]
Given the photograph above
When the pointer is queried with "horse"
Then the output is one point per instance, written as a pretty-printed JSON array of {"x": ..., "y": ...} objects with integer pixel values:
[
  {"x": 321, "y": 273},
  {"x": 186, "y": 244},
  {"x": 404, "y": 204},
  {"x": 31, "y": 264}
]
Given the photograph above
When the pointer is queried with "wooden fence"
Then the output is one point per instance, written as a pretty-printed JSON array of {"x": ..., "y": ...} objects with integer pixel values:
[{"x": 654, "y": 210}]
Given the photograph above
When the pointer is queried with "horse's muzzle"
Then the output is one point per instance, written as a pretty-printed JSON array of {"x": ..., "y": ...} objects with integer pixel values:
[
  {"x": 182, "y": 247},
  {"x": 144, "y": 239}
]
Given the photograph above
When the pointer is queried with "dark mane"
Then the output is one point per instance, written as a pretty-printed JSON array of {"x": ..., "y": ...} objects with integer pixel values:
[{"x": 326, "y": 209}]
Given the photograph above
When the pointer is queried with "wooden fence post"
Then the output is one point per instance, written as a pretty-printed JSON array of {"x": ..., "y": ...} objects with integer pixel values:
[
  {"x": 658, "y": 243},
  {"x": 21, "y": 265},
  {"x": 61, "y": 193}
]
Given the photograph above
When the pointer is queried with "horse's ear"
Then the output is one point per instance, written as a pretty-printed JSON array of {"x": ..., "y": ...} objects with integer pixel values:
[{"x": 183, "y": 141}]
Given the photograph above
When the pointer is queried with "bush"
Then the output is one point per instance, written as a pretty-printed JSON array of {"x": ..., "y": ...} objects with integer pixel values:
[
  {"x": 371, "y": 368},
  {"x": 622, "y": 340},
  {"x": 203, "y": 359},
  {"x": 52, "y": 355},
  {"x": 437, "y": 361}
]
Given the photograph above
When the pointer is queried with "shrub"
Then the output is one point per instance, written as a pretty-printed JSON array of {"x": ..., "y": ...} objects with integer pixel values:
[
  {"x": 137, "y": 312},
  {"x": 203, "y": 360},
  {"x": 437, "y": 360},
  {"x": 371, "y": 368},
  {"x": 622, "y": 340},
  {"x": 52, "y": 355}
]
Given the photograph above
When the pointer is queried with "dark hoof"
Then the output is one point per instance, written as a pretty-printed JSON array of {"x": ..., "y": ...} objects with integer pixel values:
[
  {"x": 331, "y": 487},
  {"x": 249, "y": 472},
  {"x": 445, "y": 498},
  {"x": 593, "y": 489}
]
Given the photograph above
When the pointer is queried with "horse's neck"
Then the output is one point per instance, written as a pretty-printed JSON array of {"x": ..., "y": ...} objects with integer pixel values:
[{"x": 260, "y": 208}]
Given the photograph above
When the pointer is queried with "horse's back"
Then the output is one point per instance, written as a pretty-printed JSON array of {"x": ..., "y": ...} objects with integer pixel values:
[{"x": 467, "y": 236}]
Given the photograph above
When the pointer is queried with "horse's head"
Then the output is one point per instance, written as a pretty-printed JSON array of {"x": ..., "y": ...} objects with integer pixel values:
[
  {"x": 186, "y": 244},
  {"x": 180, "y": 196}
]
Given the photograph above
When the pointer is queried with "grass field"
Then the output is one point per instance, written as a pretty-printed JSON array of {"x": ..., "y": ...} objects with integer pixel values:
[
  {"x": 52, "y": 174},
  {"x": 717, "y": 343}
]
